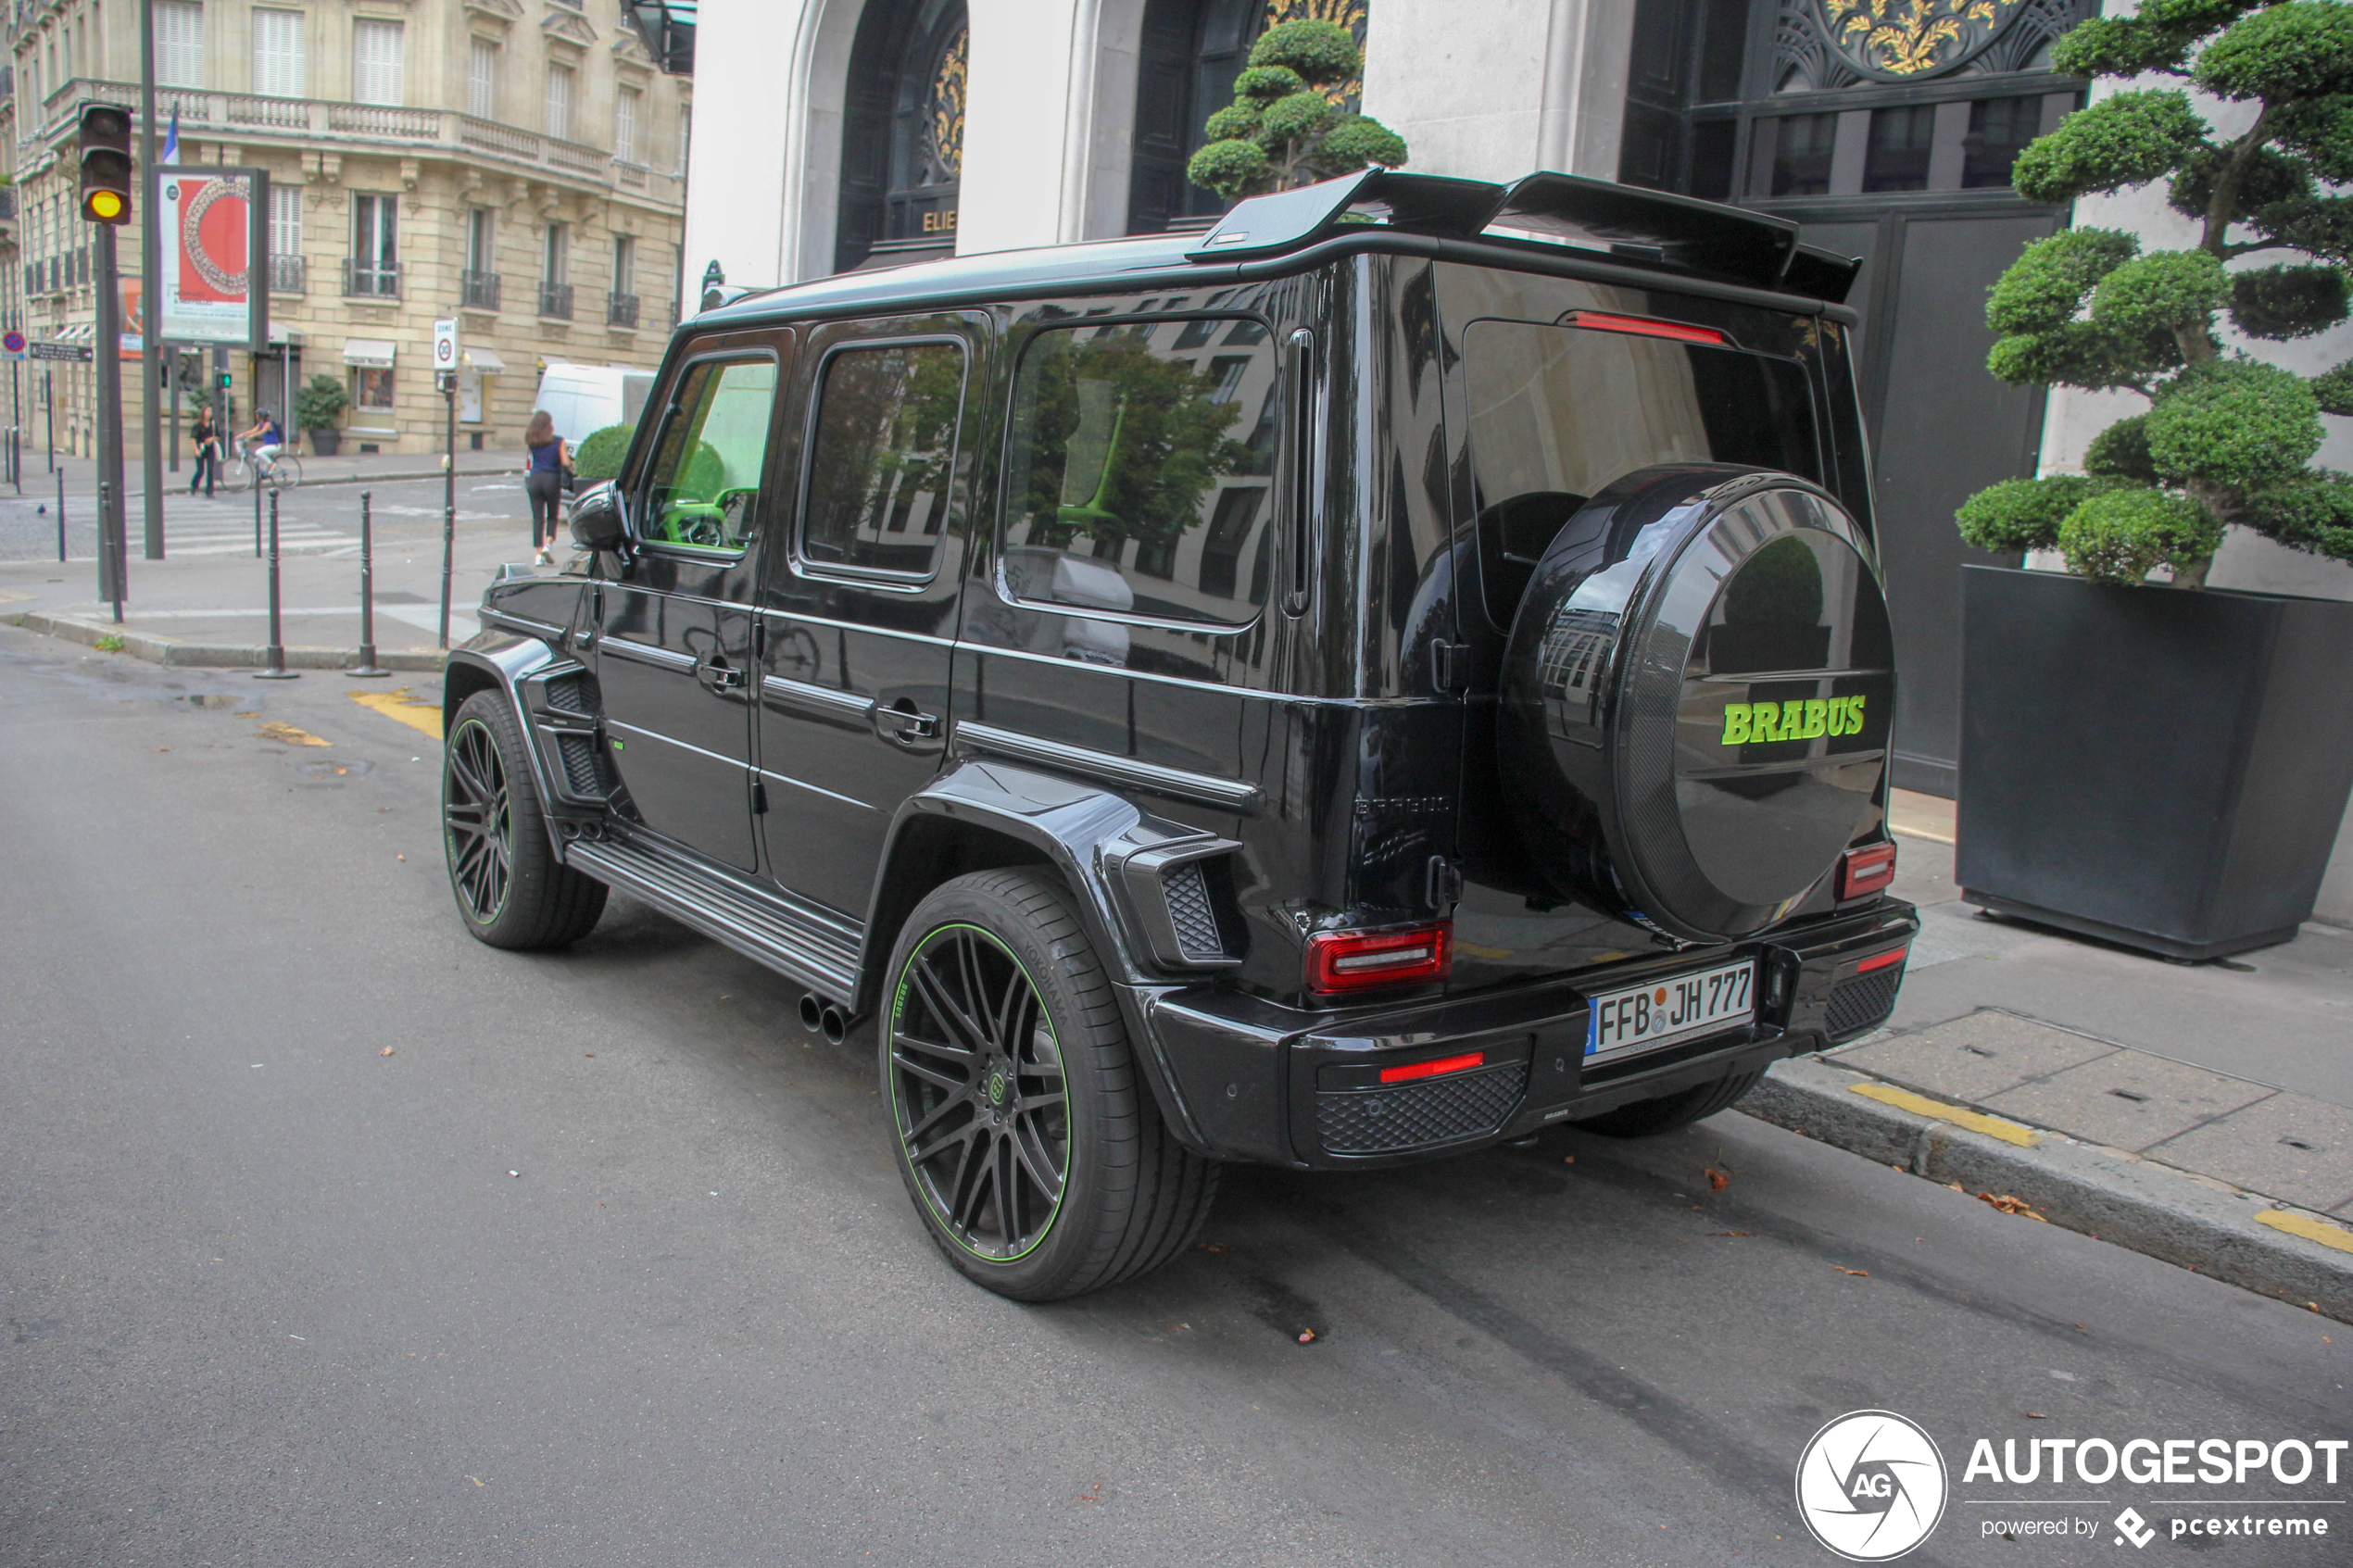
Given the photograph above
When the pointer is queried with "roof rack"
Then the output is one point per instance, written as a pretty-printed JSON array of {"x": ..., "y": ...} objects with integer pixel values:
[{"x": 1623, "y": 223}]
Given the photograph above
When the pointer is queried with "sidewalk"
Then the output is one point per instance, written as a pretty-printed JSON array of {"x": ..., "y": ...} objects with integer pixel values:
[
  {"x": 345, "y": 468},
  {"x": 2200, "y": 1112}
]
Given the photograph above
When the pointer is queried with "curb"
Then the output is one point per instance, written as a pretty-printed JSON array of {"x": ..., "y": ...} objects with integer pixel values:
[
  {"x": 2200, "y": 1223},
  {"x": 218, "y": 656}
]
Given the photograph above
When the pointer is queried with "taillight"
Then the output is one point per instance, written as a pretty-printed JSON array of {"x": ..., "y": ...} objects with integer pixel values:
[
  {"x": 1437, "y": 1069},
  {"x": 1866, "y": 871},
  {"x": 1358, "y": 960},
  {"x": 1642, "y": 326},
  {"x": 1880, "y": 960}
]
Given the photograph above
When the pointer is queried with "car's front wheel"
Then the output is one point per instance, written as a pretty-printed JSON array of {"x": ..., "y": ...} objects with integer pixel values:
[
  {"x": 1025, "y": 1133},
  {"x": 509, "y": 886}
]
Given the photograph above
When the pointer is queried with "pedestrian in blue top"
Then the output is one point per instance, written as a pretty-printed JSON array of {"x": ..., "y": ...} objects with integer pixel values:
[{"x": 544, "y": 479}]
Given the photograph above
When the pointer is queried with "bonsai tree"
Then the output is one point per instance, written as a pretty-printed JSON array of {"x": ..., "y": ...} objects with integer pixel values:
[
  {"x": 320, "y": 403},
  {"x": 2226, "y": 439},
  {"x": 598, "y": 457},
  {"x": 1284, "y": 128}
]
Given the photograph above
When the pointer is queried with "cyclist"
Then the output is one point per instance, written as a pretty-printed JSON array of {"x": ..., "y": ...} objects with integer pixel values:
[{"x": 268, "y": 438}]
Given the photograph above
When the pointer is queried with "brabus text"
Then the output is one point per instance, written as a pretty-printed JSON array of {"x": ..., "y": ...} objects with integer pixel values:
[{"x": 1746, "y": 722}]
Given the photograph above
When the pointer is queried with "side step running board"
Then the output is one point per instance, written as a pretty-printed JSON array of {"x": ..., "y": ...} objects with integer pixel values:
[{"x": 752, "y": 926}]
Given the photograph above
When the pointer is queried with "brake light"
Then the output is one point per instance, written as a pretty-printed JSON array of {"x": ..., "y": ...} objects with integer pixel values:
[
  {"x": 1358, "y": 960},
  {"x": 1643, "y": 326},
  {"x": 1443, "y": 1065},
  {"x": 1880, "y": 960},
  {"x": 1865, "y": 870}
]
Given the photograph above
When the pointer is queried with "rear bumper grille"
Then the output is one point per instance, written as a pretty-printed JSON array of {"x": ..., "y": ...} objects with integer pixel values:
[
  {"x": 1865, "y": 1000},
  {"x": 1418, "y": 1116}
]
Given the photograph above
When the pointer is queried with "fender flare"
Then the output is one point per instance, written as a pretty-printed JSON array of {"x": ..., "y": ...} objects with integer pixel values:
[{"x": 498, "y": 661}]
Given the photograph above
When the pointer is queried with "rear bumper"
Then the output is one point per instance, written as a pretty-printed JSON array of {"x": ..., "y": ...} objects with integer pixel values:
[{"x": 1242, "y": 1078}]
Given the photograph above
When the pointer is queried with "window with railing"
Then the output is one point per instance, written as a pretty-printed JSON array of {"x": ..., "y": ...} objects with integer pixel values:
[
  {"x": 555, "y": 300},
  {"x": 478, "y": 290},
  {"x": 620, "y": 310},
  {"x": 373, "y": 268},
  {"x": 288, "y": 275},
  {"x": 285, "y": 239}
]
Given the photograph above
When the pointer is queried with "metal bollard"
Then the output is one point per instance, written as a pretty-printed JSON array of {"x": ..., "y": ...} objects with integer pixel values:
[
  {"x": 277, "y": 650},
  {"x": 257, "y": 516},
  {"x": 367, "y": 667},
  {"x": 110, "y": 561},
  {"x": 61, "y": 518}
]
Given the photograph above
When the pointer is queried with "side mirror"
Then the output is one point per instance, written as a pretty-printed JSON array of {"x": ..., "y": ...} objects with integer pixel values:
[{"x": 600, "y": 520}]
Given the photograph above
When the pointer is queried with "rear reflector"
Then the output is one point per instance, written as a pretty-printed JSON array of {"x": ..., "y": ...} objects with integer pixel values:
[
  {"x": 1642, "y": 325},
  {"x": 1880, "y": 960},
  {"x": 1433, "y": 1068},
  {"x": 1358, "y": 960},
  {"x": 1866, "y": 871}
]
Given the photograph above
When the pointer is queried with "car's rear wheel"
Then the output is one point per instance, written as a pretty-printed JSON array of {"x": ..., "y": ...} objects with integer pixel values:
[
  {"x": 509, "y": 886},
  {"x": 1025, "y": 1133},
  {"x": 1648, "y": 1118}
]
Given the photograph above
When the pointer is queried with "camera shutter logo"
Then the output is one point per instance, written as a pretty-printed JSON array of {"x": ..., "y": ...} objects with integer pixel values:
[{"x": 1872, "y": 1486}]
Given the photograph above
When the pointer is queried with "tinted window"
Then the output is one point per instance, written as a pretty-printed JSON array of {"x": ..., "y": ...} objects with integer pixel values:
[
  {"x": 704, "y": 484},
  {"x": 1558, "y": 412},
  {"x": 882, "y": 457},
  {"x": 1139, "y": 470}
]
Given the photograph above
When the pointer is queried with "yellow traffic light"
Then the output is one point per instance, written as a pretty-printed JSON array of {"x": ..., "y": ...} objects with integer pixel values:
[
  {"x": 105, "y": 206},
  {"x": 106, "y": 164}
]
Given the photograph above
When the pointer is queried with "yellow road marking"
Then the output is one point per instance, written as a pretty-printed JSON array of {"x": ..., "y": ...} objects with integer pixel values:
[
  {"x": 413, "y": 711},
  {"x": 289, "y": 735},
  {"x": 2308, "y": 1228},
  {"x": 1960, "y": 1116}
]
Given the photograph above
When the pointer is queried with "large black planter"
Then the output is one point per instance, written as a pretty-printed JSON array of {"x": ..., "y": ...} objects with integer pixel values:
[
  {"x": 324, "y": 442},
  {"x": 2163, "y": 769}
]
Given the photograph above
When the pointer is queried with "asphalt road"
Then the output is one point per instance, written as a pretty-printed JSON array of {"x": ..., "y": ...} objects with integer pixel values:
[
  {"x": 606, "y": 1262},
  {"x": 310, "y": 517}
]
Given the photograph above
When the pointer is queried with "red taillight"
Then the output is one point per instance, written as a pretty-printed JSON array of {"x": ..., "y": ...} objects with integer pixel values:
[
  {"x": 1643, "y": 325},
  {"x": 1864, "y": 870},
  {"x": 1444, "y": 1064},
  {"x": 1358, "y": 960},
  {"x": 1880, "y": 960}
]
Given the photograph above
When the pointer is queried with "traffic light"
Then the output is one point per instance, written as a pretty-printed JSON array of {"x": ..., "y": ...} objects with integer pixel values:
[{"x": 106, "y": 164}]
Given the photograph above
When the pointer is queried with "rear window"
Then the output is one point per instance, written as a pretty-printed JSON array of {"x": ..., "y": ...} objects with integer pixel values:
[{"x": 1557, "y": 412}]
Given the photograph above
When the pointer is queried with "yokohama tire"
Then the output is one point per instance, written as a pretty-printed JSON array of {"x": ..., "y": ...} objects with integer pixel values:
[
  {"x": 1033, "y": 1092},
  {"x": 511, "y": 891}
]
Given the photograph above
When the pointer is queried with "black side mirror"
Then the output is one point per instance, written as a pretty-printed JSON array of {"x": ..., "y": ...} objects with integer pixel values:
[{"x": 600, "y": 520}]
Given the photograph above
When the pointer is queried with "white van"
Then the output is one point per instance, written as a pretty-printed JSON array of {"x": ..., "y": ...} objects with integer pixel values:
[{"x": 584, "y": 400}]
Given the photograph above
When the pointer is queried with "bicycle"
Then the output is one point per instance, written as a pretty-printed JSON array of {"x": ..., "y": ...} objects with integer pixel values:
[{"x": 281, "y": 472}]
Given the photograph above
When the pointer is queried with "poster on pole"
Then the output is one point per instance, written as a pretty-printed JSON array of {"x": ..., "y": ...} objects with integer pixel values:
[{"x": 213, "y": 245}]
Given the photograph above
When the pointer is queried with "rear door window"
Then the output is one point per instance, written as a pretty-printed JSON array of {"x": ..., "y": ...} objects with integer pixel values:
[
  {"x": 1558, "y": 411},
  {"x": 1139, "y": 470},
  {"x": 882, "y": 455}
]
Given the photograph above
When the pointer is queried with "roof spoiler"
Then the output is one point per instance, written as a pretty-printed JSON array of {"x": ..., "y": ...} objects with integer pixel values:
[{"x": 1625, "y": 223}]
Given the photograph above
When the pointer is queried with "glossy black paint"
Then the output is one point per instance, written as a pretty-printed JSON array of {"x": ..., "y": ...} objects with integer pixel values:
[{"x": 889, "y": 733}]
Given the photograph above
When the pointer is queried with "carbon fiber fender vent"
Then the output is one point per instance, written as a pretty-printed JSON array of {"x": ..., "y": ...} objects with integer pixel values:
[
  {"x": 582, "y": 771},
  {"x": 1193, "y": 913}
]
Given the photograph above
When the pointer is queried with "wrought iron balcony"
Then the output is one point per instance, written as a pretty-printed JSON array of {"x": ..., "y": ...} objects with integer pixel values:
[
  {"x": 371, "y": 280},
  {"x": 478, "y": 291},
  {"x": 555, "y": 299},
  {"x": 620, "y": 310},
  {"x": 288, "y": 275}
]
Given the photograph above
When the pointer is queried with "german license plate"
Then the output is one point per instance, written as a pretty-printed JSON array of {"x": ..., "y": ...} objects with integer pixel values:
[{"x": 1675, "y": 1007}]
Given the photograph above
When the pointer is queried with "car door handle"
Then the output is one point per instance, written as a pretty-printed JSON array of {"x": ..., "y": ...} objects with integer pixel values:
[
  {"x": 909, "y": 721},
  {"x": 717, "y": 676}
]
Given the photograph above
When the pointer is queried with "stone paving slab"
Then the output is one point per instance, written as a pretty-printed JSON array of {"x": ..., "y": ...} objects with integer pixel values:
[
  {"x": 1976, "y": 1056},
  {"x": 2289, "y": 1146},
  {"x": 2127, "y": 1099}
]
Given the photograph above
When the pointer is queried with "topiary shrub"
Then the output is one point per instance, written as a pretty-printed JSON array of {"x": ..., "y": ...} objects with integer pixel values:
[
  {"x": 1285, "y": 126},
  {"x": 2227, "y": 438},
  {"x": 320, "y": 403},
  {"x": 598, "y": 458}
]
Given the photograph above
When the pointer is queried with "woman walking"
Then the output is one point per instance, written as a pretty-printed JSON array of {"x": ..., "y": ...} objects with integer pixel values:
[
  {"x": 206, "y": 437},
  {"x": 544, "y": 481}
]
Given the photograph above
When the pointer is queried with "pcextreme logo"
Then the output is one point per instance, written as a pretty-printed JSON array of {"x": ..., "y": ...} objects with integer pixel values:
[
  {"x": 1746, "y": 722},
  {"x": 1871, "y": 1486}
]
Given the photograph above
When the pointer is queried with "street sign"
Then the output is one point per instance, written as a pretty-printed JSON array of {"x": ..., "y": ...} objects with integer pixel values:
[
  {"x": 11, "y": 345},
  {"x": 76, "y": 351},
  {"x": 445, "y": 346}
]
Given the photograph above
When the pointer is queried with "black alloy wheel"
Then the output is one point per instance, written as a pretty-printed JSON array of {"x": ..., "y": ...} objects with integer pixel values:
[
  {"x": 977, "y": 1077},
  {"x": 1027, "y": 1135},
  {"x": 509, "y": 886}
]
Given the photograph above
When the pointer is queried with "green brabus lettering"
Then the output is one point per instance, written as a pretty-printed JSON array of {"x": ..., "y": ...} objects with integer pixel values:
[{"x": 1746, "y": 724}]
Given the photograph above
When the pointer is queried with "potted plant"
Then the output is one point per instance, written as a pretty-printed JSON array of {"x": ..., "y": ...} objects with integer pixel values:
[
  {"x": 317, "y": 406},
  {"x": 2144, "y": 757},
  {"x": 1288, "y": 123}
]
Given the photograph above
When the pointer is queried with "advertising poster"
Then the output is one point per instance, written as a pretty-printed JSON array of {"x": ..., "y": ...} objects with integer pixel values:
[{"x": 206, "y": 235}]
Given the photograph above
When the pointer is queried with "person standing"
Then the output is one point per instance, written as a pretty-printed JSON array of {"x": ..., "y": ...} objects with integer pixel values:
[
  {"x": 206, "y": 435},
  {"x": 543, "y": 480}
]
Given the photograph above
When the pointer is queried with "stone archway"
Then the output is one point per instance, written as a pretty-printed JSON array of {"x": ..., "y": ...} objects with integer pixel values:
[{"x": 902, "y": 134}]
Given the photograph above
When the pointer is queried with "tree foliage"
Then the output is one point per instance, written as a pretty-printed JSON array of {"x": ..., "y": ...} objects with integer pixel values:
[
  {"x": 2227, "y": 439},
  {"x": 1286, "y": 126}
]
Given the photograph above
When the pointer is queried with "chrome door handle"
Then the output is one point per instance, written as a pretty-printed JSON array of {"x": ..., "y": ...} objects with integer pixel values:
[{"x": 911, "y": 723}]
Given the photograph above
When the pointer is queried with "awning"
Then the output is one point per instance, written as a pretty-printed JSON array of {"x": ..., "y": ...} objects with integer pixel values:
[
  {"x": 372, "y": 353},
  {"x": 78, "y": 331},
  {"x": 484, "y": 360}
]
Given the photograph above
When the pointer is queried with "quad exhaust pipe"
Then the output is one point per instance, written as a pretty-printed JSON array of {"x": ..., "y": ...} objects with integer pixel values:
[{"x": 821, "y": 1017}]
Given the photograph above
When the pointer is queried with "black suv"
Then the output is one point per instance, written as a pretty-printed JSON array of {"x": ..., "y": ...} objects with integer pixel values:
[{"x": 1399, "y": 669}]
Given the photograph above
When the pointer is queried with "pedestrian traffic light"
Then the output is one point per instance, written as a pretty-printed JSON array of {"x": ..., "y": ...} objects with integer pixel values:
[{"x": 106, "y": 164}]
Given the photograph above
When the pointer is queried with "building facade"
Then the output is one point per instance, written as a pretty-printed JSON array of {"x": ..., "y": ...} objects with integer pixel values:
[{"x": 518, "y": 166}]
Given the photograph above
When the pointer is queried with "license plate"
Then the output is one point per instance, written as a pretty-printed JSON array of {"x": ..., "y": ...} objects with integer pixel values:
[{"x": 1675, "y": 1007}]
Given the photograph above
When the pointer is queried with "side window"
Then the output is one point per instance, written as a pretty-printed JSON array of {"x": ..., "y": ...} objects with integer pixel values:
[
  {"x": 882, "y": 455},
  {"x": 703, "y": 486},
  {"x": 1140, "y": 470}
]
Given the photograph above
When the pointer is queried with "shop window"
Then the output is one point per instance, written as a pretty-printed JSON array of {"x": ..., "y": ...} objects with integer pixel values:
[{"x": 882, "y": 457}]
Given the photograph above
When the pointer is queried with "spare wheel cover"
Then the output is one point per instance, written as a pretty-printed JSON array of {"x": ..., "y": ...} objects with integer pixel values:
[{"x": 1679, "y": 614}]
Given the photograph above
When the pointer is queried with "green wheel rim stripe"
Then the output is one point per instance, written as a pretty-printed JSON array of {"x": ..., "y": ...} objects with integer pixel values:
[
  {"x": 979, "y": 1099},
  {"x": 477, "y": 822}
]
